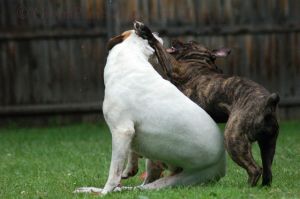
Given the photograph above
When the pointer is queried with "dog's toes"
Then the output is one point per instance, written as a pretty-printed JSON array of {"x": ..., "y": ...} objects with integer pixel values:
[
  {"x": 139, "y": 187},
  {"x": 253, "y": 179},
  {"x": 93, "y": 190}
]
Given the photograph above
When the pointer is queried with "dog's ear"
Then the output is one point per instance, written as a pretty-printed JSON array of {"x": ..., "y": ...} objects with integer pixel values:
[
  {"x": 114, "y": 41},
  {"x": 118, "y": 39},
  {"x": 222, "y": 52},
  {"x": 193, "y": 42}
]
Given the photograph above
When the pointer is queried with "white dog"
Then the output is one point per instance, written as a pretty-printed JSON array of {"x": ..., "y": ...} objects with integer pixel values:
[{"x": 149, "y": 116}]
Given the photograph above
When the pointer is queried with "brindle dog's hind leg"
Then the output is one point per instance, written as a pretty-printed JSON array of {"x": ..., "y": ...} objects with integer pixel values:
[
  {"x": 267, "y": 147},
  {"x": 239, "y": 148}
]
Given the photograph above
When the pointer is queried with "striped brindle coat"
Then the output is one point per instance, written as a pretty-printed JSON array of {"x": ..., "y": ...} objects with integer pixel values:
[{"x": 247, "y": 107}]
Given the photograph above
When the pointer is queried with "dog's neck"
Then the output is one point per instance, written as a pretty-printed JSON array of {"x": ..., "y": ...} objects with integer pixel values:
[
  {"x": 139, "y": 46},
  {"x": 130, "y": 55}
]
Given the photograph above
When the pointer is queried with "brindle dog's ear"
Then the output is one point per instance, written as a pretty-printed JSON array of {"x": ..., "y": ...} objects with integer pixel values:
[
  {"x": 193, "y": 42},
  {"x": 114, "y": 41},
  {"x": 222, "y": 52}
]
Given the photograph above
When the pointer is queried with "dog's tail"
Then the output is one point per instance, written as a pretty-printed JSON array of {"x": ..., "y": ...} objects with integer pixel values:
[{"x": 267, "y": 143}]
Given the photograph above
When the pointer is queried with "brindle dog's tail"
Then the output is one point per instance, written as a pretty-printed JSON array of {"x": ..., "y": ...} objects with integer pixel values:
[{"x": 267, "y": 142}]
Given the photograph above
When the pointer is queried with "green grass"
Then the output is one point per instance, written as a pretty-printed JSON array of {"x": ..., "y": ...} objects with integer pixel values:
[{"x": 51, "y": 162}]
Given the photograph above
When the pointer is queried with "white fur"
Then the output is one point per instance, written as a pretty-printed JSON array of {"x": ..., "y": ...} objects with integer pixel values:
[{"x": 148, "y": 115}]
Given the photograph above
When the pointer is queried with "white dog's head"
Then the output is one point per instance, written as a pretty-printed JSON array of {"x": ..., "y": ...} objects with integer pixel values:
[{"x": 131, "y": 39}]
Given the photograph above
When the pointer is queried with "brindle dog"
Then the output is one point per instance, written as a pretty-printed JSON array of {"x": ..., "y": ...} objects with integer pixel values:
[{"x": 248, "y": 108}]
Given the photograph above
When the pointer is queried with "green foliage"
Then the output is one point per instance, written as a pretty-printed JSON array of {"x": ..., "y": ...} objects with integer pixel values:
[{"x": 51, "y": 162}]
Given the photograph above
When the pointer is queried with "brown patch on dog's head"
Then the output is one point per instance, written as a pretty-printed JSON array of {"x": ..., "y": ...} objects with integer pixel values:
[{"x": 118, "y": 39}]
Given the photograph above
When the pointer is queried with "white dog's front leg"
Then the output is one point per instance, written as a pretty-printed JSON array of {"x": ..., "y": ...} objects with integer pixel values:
[{"x": 121, "y": 141}]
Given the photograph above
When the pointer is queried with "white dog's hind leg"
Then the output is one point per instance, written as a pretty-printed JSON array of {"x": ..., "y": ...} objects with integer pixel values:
[
  {"x": 121, "y": 142},
  {"x": 212, "y": 173}
]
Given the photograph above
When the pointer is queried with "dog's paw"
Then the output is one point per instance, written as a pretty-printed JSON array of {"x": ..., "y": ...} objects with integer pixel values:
[
  {"x": 127, "y": 173},
  {"x": 92, "y": 190}
]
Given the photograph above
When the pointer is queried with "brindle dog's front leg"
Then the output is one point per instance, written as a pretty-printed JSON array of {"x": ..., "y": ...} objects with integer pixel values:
[
  {"x": 132, "y": 166},
  {"x": 167, "y": 62}
]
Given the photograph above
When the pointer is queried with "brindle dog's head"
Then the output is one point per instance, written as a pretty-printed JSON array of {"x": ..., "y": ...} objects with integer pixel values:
[
  {"x": 193, "y": 51},
  {"x": 179, "y": 50}
]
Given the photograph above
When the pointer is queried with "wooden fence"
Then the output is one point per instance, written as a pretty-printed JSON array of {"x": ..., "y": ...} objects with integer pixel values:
[{"x": 52, "y": 53}]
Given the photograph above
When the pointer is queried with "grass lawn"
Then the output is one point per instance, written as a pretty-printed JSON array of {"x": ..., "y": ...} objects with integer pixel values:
[{"x": 51, "y": 162}]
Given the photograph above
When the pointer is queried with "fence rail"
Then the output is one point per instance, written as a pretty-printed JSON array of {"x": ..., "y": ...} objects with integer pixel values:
[
  {"x": 53, "y": 34},
  {"x": 166, "y": 31},
  {"x": 91, "y": 107}
]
